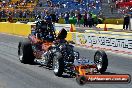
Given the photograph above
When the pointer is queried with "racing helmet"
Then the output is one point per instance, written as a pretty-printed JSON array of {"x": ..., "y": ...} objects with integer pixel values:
[{"x": 62, "y": 34}]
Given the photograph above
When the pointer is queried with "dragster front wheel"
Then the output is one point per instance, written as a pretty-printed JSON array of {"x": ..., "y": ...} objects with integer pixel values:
[{"x": 101, "y": 60}]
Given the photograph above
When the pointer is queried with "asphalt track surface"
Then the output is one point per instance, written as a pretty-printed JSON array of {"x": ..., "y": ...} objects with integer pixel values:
[{"x": 14, "y": 74}]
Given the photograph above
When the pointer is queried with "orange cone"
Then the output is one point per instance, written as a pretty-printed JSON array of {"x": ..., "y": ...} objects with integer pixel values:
[
  {"x": 71, "y": 29},
  {"x": 105, "y": 28}
]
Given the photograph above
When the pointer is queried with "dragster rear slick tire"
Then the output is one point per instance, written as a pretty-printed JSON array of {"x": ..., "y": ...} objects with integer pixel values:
[{"x": 25, "y": 52}]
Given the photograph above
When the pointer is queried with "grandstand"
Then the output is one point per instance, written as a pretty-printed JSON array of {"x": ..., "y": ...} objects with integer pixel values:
[
  {"x": 7, "y": 7},
  {"x": 17, "y": 4},
  {"x": 37, "y": 7},
  {"x": 125, "y": 6},
  {"x": 62, "y": 6},
  {"x": 94, "y": 6},
  {"x": 121, "y": 7}
]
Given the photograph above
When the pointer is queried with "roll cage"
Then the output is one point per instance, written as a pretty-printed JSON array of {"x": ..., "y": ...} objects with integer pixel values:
[{"x": 45, "y": 30}]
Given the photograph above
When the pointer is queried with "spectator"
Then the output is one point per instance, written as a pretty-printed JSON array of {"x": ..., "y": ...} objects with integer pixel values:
[
  {"x": 72, "y": 13},
  {"x": 53, "y": 16},
  {"x": 111, "y": 8},
  {"x": 48, "y": 17},
  {"x": 24, "y": 15},
  {"x": 90, "y": 21},
  {"x": 57, "y": 17},
  {"x": 79, "y": 16},
  {"x": 126, "y": 22},
  {"x": 85, "y": 19},
  {"x": 10, "y": 18},
  {"x": 67, "y": 18}
]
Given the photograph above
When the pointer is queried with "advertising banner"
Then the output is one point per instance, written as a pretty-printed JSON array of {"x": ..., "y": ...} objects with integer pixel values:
[
  {"x": 113, "y": 42},
  {"x": 81, "y": 39}
]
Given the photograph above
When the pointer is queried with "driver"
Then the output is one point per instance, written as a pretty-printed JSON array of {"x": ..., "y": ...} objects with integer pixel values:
[{"x": 61, "y": 36}]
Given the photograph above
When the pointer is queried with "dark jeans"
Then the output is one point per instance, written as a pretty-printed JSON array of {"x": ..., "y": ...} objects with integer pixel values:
[
  {"x": 66, "y": 21},
  {"x": 90, "y": 24},
  {"x": 79, "y": 22},
  {"x": 125, "y": 26},
  {"x": 85, "y": 23}
]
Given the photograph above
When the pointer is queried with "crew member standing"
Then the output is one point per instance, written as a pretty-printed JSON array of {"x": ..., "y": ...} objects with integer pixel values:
[{"x": 126, "y": 22}]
